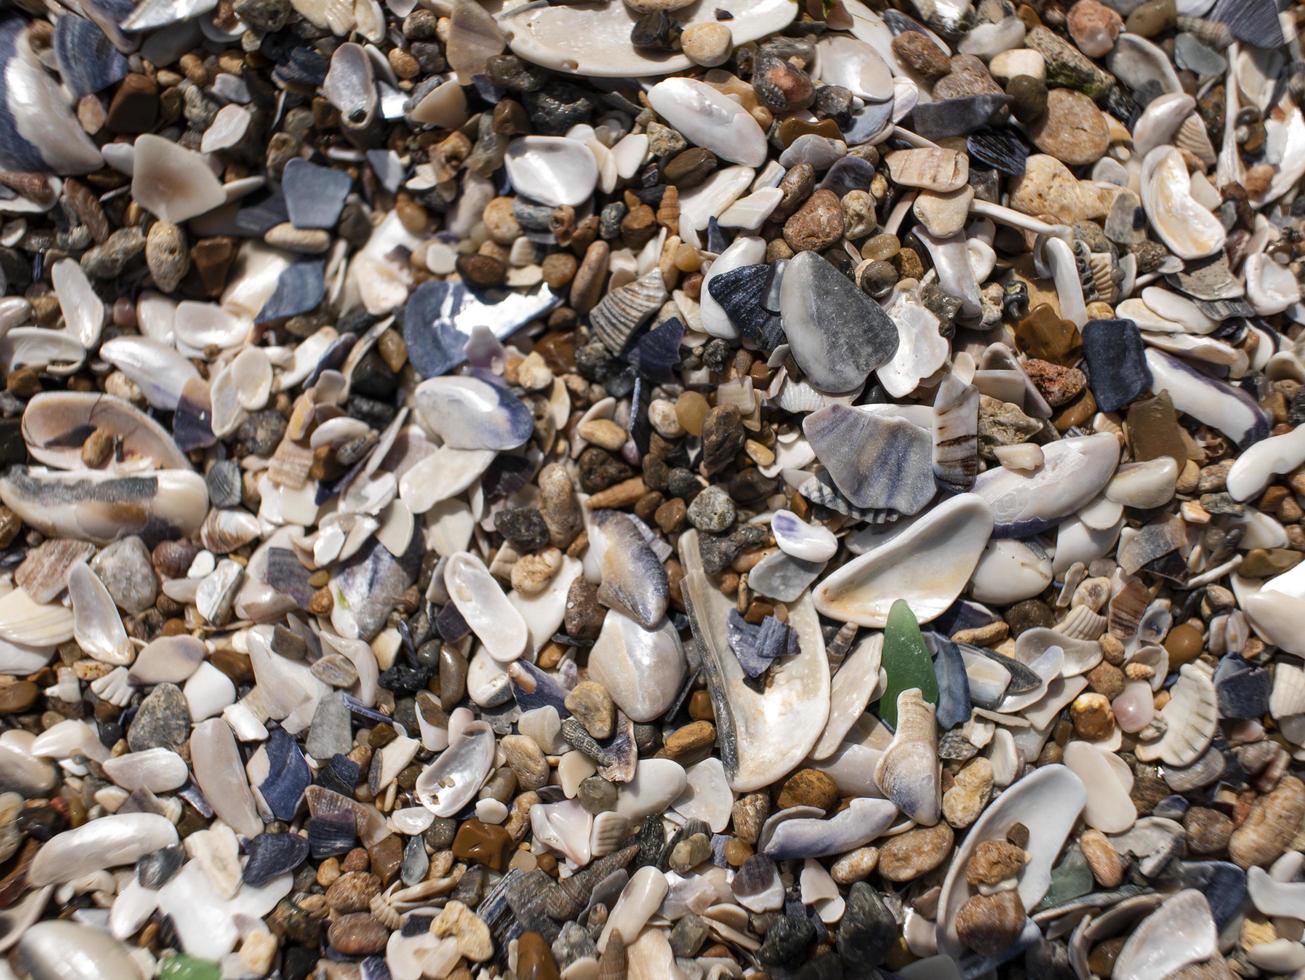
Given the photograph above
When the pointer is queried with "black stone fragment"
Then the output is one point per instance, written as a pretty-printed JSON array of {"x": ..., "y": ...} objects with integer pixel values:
[{"x": 1116, "y": 362}]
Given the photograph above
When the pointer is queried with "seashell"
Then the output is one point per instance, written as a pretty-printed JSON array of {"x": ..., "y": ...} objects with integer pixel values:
[
  {"x": 55, "y": 423},
  {"x": 1074, "y": 471},
  {"x": 25, "y": 773},
  {"x": 43, "y": 575},
  {"x": 449, "y": 783},
  {"x": 757, "y": 885},
  {"x": 101, "y": 507},
  {"x": 642, "y": 669},
  {"x": 36, "y": 347},
  {"x": 855, "y": 65},
  {"x": 956, "y": 274},
  {"x": 1193, "y": 137},
  {"x": 853, "y": 686},
  {"x": 639, "y": 900},
  {"x": 553, "y": 170},
  {"x": 921, "y": 349},
  {"x": 800, "y": 540},
  {"x": 1048, "y": 801},
  {"x": 708, "y": 118},
  {"x": 1224, "y": 407},
  {"x": 28, "y": 623},
  {"x": 161, "y": 372},
  {"x": 955, "y": 434},
  {"x": 109, "y": 841},
  {"x": 619, "y": 315},
  {"x": 1179, "y": 933},
  {"x": 596, "y": 42},
  {"x": 876, "y": 461},
  {"x": 172, "y": 182},
  {"x": 930, "y": 168},
  {"x": 633, "y": 579},
  {"x": 1191, "y": 717},
  {"x": 467, "y": 413},
  {"x": 1187, "y": 227},
  {"x": 1009, "y": 571},
  {"x": 83, "y": 312},
  {"x": 763, "y": 734},
  {"x": 88, "y": 62},
  {"x": 564, "y": 827},
  {"x": 909, "y": 772},
  {"x": 860, "y": 822},
  {"x": 66, "y": 948},
  {"x": 1270, "y": 287},
  {"x": 1081, "y": 623},
  {"x": 168, "y": 659},
  {"x": 159, "y": 770},
  {"x": 1077, "y": 656},
  {"x": 1109, "y": 808},
  {"x": 706, "y": 795},
  {"x": 272, "y": 855},
  {"x": 1160, "y": 121},
  {"x": 1288, "y": 696},
  {"x": 730, "y": 312},
  {"x": 943, "y": 547},
  {"x": 350, "y": 85},
  {"x": 221, "y": 776},
  {"x": 443, "y": 474},
  {"x": 97, "y": 627},
  {"x": 41, "y": 134}
]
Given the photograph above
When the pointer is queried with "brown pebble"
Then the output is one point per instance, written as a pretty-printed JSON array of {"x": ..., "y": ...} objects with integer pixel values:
[
  {"x": 1271, "y": 825},
  {"x": 808, "y": 787},
  {"x": 1102, "y": 858},
  {"x": 688, "y": 741},
  {"x": 358, "y": 934},
  {"x": 915, "y": 853},
  {"x": 535, "y": 959},
  {"x": 816, "y": 225},
  {"x": 989, "y": 924},
  {"x": 993, "y": 861},
  {"x": 482, "y": 843}
]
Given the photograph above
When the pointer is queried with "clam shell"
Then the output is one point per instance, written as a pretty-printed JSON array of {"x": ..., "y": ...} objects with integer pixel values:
[
  {"x": 467, "y": 413},
  {"x": 41, "y": 134},
  {"x": 159, "y": 370},
  {"x": 1179, "y": 933},
  {"x": 1225, "y": 407},
  {"x": 710, "y": 119},
  {"x": 642, "y": 669},
  {"x": 877, "y": 462},
  {"x": 1187, "y": 227},
  {"x": 121, "y": 838},
  {"x": 632, "y": 577},
  {"x": 553, "y": 170},
  {"x": 220, "y": 774},
  {"x": 102, "y": 507},
  {"x": 28, "y": 623},
  {"x": 1191, "y": 718},
  {"x": 172, "y": 182},
  {"x": 36, "y": 347},
  {"x": 850, "y": 691},
  {"x": 1074, "y": 471},
  {"x": 97, "y": 627},
  {"x": 1048, "y": 801},
  {"x": 449, "y": 783},
  {"x": 928, "y": 565},
  {"x": 595, "y": 40},
  {"x": 763, "y": 734},
  {"x": 909, "y": 771},
  {"x": 83, "y": 311},
  {"x": 55, "y": 422},
  {"x": 66, "y": 948}
]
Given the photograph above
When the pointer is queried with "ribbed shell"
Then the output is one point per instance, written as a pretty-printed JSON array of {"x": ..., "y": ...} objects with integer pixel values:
[
  {"x": 620, "y": 313},
  {"x": 956, "y": 434}
]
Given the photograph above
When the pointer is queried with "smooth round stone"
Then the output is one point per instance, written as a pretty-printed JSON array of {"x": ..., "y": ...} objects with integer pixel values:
[
  {"x": 798, "y": 539},
  {"x": 552, "y": 170},
  {"x": 707, "y": 44},
  {"x": 641, "y": 669},
  {"x": 943, "y": 214},
  {"x": 1135, "y": 708},
  {"x": 1073, "y": 130},
  {"x": 1009, "y": 571}
]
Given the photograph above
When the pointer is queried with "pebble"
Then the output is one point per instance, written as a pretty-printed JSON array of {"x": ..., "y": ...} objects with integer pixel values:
[
  {"x": 1073, "y": 129},
  {"x": 916, "y": 51},
  {"x": 1094, "y": 27},
  {"x": 162, "y": 721},
  {"x": 994, "y": 861},
  {"x": 358, "y": 934},
  {"x": 707, "y": 43},
  {"x": 125, "y": 569},
  {"x": 592, "y": 705},
  {"x": 1271, "y": 825},
  {"x": 817, "y": 224},
  {"x": 988, "y": 924},
  {"x": 712, "y": 510},
  {"x": 915, "y": 853},
  {"x": 808, "y": 787}
]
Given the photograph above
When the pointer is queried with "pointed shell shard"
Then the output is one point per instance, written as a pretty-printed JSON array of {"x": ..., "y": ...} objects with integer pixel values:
[
  {"x": 928, "y": 565},
  {"x": 909, "y": 771},
  {"x": 763, "y": 734},
  {"x": 878, "y": 462},
  {"x": 173, "y": 182}
]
